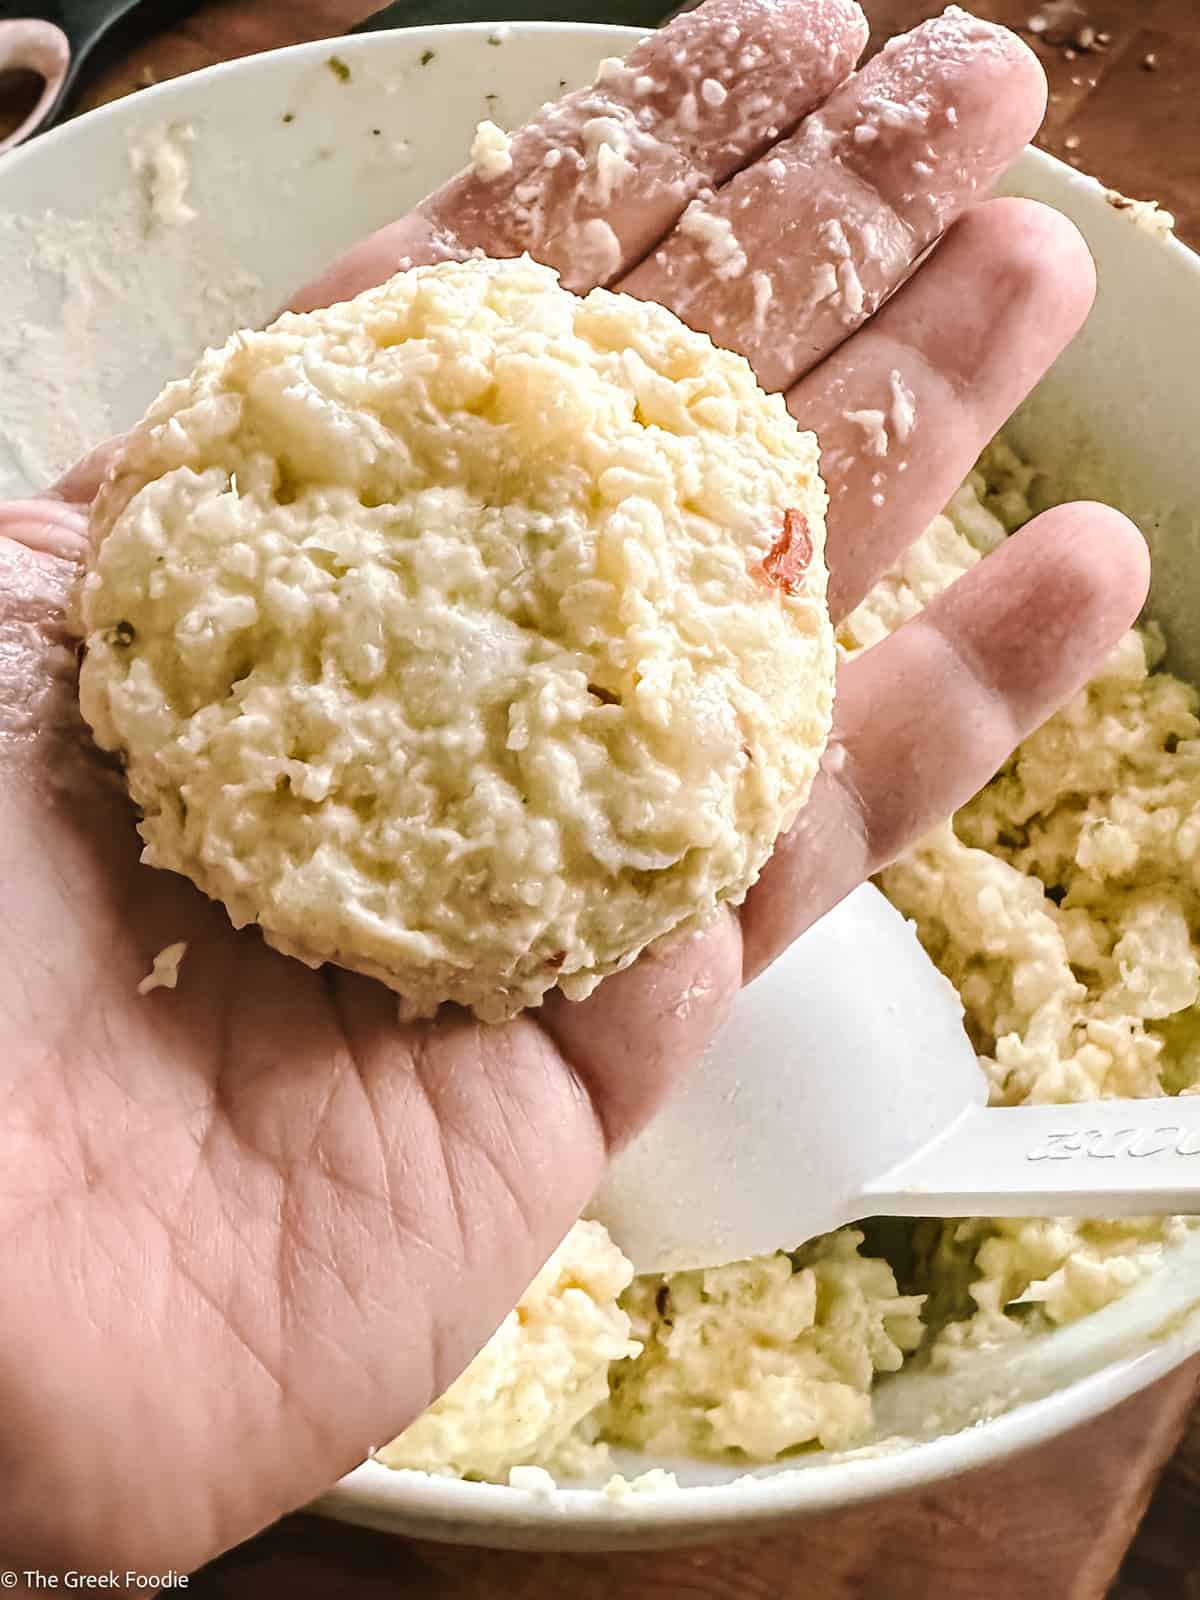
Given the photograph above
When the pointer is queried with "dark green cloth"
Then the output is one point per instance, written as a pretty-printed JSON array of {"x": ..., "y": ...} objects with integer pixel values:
[{"x": 417, "y": 13}]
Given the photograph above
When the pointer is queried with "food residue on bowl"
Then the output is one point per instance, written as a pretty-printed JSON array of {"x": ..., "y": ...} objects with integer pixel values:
[
  {"x": 161, "y": 164},
  {"x": 164, "y": 974},
  {"x": 1147, "y": 215}
]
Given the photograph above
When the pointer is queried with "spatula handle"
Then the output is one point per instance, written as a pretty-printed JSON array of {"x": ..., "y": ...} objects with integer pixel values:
[{"x": 1106, "y": 1158}]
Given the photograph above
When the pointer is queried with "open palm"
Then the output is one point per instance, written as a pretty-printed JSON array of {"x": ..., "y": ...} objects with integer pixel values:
[{"x": 255, "y": 1225}]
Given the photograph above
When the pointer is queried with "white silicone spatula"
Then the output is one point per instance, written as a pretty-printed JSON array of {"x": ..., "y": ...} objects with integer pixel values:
[{"x": 844, "y": 1087}]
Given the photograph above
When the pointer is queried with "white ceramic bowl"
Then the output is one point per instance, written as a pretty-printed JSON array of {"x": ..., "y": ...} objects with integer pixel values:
[{"x": 291, "y": 161}]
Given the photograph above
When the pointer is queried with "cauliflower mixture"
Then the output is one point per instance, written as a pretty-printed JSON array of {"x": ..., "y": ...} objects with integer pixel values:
[
  {"x": 1064, "y": 903},
  {"x": 543, "y": 1371},
  {"x": 468, "y": 634}
]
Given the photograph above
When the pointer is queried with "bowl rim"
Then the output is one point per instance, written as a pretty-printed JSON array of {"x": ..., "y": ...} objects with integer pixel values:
[
  {"x": 465, "y": 1512},
  {"x": 343, "y": 45}
]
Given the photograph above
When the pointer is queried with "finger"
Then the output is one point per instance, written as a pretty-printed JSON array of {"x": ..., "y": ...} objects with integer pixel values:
[
  {"x": 802, "y": 247},
  {"x": 924, "y": 719},
  {"x": 903, "y": 413},
  {"x": 598, "y": 176},
  {"x": 49, "y": 527}
]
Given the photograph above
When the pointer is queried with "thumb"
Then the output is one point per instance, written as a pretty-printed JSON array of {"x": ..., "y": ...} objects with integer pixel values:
[{"x": 633, "y": 1039}]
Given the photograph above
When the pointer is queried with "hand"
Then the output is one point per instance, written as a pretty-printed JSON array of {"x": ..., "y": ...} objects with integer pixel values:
[{"x": 254, "y": 1226}]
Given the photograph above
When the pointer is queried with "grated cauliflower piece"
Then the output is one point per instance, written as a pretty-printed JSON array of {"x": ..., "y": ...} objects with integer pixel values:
[
  {"x": 468, "y": 634},
  {"x": 532, "y": 1480},
  {"x": 490, "y": 152},
  {"x": 656, "y": 1481},
  {"x": 1146, "y": 215},
  {"x": 164, "y": 971}
]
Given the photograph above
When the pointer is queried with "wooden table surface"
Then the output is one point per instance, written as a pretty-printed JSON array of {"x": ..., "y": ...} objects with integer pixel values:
[{"x": 1058, "y": 1523}]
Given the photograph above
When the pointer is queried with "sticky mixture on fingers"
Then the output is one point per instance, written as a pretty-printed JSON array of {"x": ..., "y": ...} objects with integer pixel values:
[
  {"x": 603, "y": 173},
  {"x": 593, "y": 181},
  {"x": 800, "y": 248},
  {"x": 470, "y": 634}
]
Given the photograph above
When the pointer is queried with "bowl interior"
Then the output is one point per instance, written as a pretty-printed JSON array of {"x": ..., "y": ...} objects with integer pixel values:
[
  {"x": 1116, "y": 417},
  {"x": 106, "y": 300}
]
